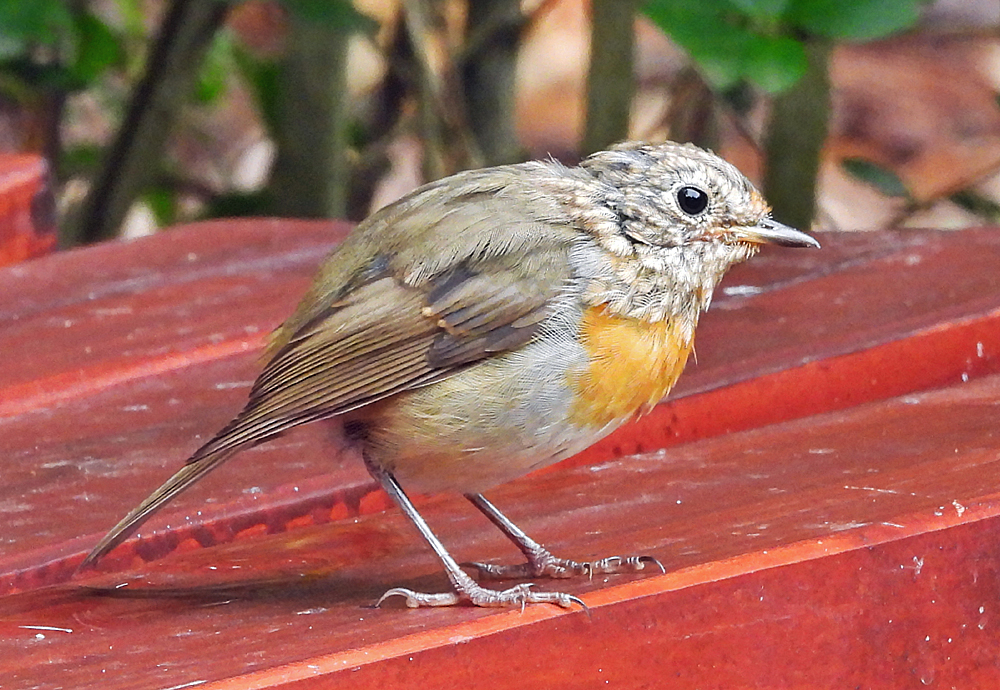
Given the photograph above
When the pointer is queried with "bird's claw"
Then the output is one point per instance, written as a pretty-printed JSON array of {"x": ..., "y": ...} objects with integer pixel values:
[
  {"x": 519, "y": 595},
  {"x": 547, "y": 565}
]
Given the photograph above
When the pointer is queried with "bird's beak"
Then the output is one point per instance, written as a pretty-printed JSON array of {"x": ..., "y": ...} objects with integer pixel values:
[{"x": 769, "y": 231}]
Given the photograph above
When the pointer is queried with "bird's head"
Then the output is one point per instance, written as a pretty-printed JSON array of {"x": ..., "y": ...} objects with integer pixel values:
[
  {"x": 681, "y": 217},
  {"x": 671, "y": 195}
]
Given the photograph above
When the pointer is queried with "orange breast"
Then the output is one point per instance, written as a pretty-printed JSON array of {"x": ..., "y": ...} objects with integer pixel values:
[{"x": 633, "y": 364}]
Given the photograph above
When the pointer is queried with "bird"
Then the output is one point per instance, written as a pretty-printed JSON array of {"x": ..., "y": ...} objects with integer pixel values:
[{"x": 497, "y": 321}]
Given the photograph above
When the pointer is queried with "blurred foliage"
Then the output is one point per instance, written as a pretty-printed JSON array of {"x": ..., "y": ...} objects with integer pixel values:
[
  {"x": 52, "y": 48},
  {"x": 977, "y": 204},
  {"x": 53, "y": 43},
  {"x": 333, "y": 14},
  {"x": 763, "y": 41},
  {"x": 881, "y": 178},
  {"x": 450, "y": 88},
  {"x": 220, "y": 61},
  {"x": 782, "y": 48}
]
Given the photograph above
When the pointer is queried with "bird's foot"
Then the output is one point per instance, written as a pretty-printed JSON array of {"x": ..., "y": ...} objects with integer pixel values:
[
  {"x": 544, "y": 564},
  {"x": 476, "y": 595}
]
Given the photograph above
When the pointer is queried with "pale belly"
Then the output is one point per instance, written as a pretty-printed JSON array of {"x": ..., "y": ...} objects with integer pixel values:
[{"x": 486, "y": 425}]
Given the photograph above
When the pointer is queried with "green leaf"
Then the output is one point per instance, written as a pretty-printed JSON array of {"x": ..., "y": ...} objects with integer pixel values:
[
  {"x": 717, "y": 38},
  {"x": 691, "y": 22},
  {"x": 701, "y": 28},
  {"x": 22, "y": 77},
  {"x": 24, "y": 22},
  {"x": 882, "y": 179},
  {"x": 132, "y": 17},
  {"x": 723, "y": 69},
  {"x": 768, "y": 10},
  {"x": 163, "y": 203},
  {"x": 337, "y": 14},
  {"x": 978, "y": 204},
  {"x": 774, "y": 64},
  {"x": 238, "y": 204},
  {"x": 857, "y": 20},
  {"x": 216, "y": 66},
  {"x": 98, "y": 48},
  {"x": 79, "y": 160},
  {"x": 264, "y": 77}
]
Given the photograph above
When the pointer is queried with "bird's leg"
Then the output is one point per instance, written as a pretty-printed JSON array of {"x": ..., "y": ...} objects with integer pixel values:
[
  {"x": 466, "y": 589},
  {"x": 541, "y": 563}
]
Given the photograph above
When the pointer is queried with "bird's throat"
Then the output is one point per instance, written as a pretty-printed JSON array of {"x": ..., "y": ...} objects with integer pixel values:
[{"x": 632, "y": 365}]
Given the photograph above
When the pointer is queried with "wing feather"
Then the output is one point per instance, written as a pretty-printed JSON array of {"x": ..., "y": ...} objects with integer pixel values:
[{"x": 424, "y": 288}]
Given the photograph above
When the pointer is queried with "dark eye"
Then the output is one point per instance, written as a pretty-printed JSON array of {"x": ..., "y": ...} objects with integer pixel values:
[{"x": 692, "y": 200}]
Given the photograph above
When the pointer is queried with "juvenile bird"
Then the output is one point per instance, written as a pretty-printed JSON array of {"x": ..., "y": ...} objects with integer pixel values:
[{"x": 497, "y": 321}]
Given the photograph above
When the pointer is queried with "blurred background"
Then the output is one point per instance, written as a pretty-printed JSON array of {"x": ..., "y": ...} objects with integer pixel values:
[{"x": 853, "y": 115}]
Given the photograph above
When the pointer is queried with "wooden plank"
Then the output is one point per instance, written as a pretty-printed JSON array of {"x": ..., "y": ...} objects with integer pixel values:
[
  {"x": 816, "y": 513},
  {"x": 844, "y": 529},
  {"x": 96, "y": 414},
  {"x": 27, "y": 208}
]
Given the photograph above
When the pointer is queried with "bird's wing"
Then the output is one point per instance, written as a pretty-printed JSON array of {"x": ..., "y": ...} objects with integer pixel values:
[
  {"x": 386, "y": 337},
  {"x": 382, "y": 333}
]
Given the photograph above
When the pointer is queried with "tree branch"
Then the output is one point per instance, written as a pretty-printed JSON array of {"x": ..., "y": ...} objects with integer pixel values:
[
  {"x": 137, "y": 150},
  {"x": 610, "y": 78}
]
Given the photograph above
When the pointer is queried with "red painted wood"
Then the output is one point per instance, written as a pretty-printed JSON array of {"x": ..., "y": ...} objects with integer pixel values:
[
  {"x": 98, "y": 316},
  {"x": 166, "y": 355},
  {"x": 27, "y": 208},
  {"x": 802, "y": 530},
  {"x": 834, "y": 528}
]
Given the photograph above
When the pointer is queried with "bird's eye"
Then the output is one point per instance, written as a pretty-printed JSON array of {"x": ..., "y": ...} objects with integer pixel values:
[{"x": 692, "y": 200}]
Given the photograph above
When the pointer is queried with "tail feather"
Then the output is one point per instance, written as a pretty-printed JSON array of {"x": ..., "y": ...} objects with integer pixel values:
[{"x": 195, "y": 469}]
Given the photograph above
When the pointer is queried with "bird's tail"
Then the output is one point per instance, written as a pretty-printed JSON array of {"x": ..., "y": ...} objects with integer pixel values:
[{"x": 200, "y": 464}]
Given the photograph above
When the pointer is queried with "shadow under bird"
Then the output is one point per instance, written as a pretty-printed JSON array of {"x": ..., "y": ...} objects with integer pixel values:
[{"x": 495, "y": 322}]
